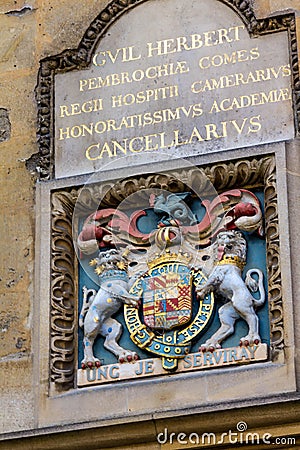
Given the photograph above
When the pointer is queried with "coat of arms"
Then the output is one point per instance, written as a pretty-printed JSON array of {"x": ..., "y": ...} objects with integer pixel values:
[
  {"x": 167, "y": 296},
  {"x": 163, "y": 283}
]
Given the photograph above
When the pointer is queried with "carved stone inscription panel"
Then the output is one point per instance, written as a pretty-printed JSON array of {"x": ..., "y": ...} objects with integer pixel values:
[{"x": 181, "y": 81}]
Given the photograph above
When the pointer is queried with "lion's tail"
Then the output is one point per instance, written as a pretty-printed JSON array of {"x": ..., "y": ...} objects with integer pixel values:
[
  {"x": 88, "y": 297},
  {"x": 256, "y": 285}
]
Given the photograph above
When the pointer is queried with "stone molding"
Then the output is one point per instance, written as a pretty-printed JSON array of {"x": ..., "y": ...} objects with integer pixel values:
[
  {"x": 143, "y": 433},
  {"x": 259, "y": 172},
  {"x": 41, "y": 164}
]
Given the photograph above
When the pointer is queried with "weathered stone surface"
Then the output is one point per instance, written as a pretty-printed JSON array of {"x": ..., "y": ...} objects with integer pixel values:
[
  {"x": 49, "y": 28},
  {"x": 19, "y": 87},
  {"x": 17, "y": 58},
  {"x": 17, "y": 43},
  {"x": 264, "y": 8},
  {"x": 56, "y": 31},
  {"x": 5, "y": 126},
  {"x": 14, "y": 5},
  {"x": 293, "y": 174},
  {"x": 16, "y": 393}
]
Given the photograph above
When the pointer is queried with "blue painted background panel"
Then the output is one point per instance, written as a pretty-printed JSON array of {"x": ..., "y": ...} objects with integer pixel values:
[{"x": 256, "y": 258}]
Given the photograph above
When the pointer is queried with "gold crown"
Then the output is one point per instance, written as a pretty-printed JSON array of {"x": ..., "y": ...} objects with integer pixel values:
[
  {"x": 234, "y": 260},
  {"x": 169, "y": 257}
]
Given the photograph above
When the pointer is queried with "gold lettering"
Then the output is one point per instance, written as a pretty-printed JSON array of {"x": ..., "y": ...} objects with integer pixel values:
[
  {"x": 194, "y": 41},
  {"x": 237, "y": 31},
  {"x": 88, "y": 152},
  {"x": 224, "y": 129},
  {"x": 196, "y": 87},
  {"x": 211, "y": 131},
  {"x": 223, "y": 59},
  {"x": 118, "y": 146},
  {"x": 255, "y": 122},
  {"x": 105, "y": 148},
  {"x": 126, "y": 54},
  {"x": 162, "y": 140},
  {"x": 76, "y": 131},
  {"x": 93, "y": 83},
  {"x": 64, "y": 134},
  {"x": 182, "y": 43},
  {"x": 201, "y": 63},
  {"x": 177, "y": 141},
  {"x": 223, "y": 35},
  {"x": 148, "y": 142},
  {"x": 132, "y": 143},
  {"x": 245, "y": 101},
  {"x": 99, "y": 124},
  {"x": 209, "y": 38},
  {"x": 64, "y": 111},
  {"x": 82, "y": 84},
  {"x": 286, "y": 71},
  {"x": 181, "y": 67},
  {"x": 215, "y": 107},
  {"x": 116, "y": 79},
  {"x": 148, "y": 72},
  {"x": 144, "y": 96},
  {"x": 153, "y": 142},
  {"x": 77, "y": 108},
  {"x": 111, "y": 125},
  {"x": 254, "y": 53},
  {"x": 236, "y": 79},
  {"x": 114, "y": 57},
  {"x": 197, "y": 135},
  {"x": 239, "y": 128},
  {"x": 284, "y": 94},
  {"x": 223, "y": 107},
  {"x": 99, "y": 63}
]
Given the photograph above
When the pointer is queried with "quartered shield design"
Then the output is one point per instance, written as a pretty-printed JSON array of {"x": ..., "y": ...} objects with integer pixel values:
[{"x": 167, "y": 297}]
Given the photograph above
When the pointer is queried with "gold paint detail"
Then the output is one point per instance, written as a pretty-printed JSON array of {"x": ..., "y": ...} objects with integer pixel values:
[
  {"x": 249, "y": 173},
  {"x": 234, "y": 260},
  {"x": 93, "y": 262},
  {"x": 167, "y": 257}
]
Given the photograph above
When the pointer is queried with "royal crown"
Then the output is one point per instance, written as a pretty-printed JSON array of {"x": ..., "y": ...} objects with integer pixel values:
[
  {"x": 118, "y": 272},
  {"x": 234, "y": 260},
  {"x": 168, "y": 257}
]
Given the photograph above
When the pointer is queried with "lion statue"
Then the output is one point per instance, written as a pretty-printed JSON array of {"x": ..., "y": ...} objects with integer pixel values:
[
  {"x": 229, "y": 252},
  {"x": 98, "y": 307}
]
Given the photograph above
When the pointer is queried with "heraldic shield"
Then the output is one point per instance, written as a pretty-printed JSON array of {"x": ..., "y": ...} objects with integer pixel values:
[
  {"x": 167, "y": 297},
  {"x": 166, "y": 324}
]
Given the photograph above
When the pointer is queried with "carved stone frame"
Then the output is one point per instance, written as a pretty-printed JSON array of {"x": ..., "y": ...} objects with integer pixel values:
[
  {"x": 41, "y": 164},
  {"x": 255, "y": 172}
]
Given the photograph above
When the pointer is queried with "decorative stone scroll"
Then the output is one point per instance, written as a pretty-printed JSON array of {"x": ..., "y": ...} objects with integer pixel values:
[
  {"x": 63, "y": 290},
  {"x": 250, "y": 173},
  {"x": 42, "y": 163}
]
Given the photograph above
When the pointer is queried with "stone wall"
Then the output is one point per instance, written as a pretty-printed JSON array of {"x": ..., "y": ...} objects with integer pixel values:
[{"x": 32, "y": 30}]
